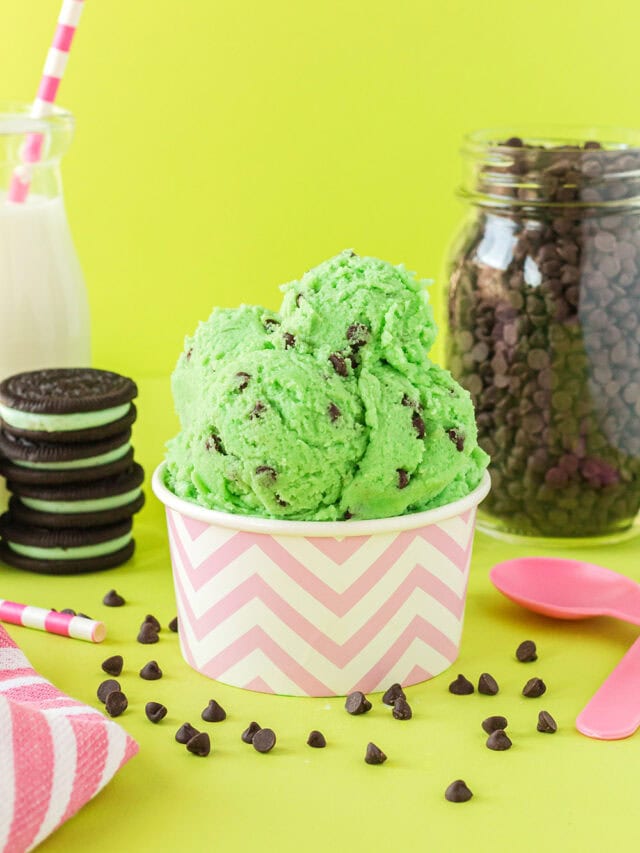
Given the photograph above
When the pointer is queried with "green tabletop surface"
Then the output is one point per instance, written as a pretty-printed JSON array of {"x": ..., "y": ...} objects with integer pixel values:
[{"x": 562, "y": 792}]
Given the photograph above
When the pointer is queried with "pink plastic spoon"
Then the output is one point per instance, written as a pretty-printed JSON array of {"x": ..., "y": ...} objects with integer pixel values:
[{"x": 572, "y": 589}]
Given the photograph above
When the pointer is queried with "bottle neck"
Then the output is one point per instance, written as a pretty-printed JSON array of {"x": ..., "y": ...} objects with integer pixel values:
[{"x": 542, "y": 175}]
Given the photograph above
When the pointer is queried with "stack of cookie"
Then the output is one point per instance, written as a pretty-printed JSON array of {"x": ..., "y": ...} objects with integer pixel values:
[{"x": 66, "y": 454}]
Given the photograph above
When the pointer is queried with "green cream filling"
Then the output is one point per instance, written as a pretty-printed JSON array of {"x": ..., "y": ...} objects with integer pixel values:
[
  {"x": 93, "y": 505},
  {"x": 90, "y": 462},
  {"x": 79, "y": 553},
  {"x": 61, "y": 423}
]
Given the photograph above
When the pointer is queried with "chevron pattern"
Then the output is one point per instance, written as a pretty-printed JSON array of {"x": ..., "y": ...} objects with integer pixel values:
[{"x": 319, "y": 616}]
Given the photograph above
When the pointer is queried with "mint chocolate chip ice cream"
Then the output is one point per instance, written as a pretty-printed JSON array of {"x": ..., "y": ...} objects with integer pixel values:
[{"x": 330, "y": 409}]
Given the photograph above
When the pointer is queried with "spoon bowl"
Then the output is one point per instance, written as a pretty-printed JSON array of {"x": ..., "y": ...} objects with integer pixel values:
[{"x": 567, "y": 589}]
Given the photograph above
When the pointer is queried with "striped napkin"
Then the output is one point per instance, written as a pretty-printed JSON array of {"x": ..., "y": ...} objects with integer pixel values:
[{"x": 55, "y": 752}]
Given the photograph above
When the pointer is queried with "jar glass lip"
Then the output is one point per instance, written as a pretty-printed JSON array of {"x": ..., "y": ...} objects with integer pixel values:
[
  {"x": 550, "y": 135},
  {"x": 16, "y": 120}
]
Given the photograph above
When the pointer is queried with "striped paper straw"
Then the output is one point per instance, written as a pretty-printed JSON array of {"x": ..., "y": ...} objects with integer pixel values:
[
  {"x": 43, "y": 105},
  {"x": 52, "y": 622}
]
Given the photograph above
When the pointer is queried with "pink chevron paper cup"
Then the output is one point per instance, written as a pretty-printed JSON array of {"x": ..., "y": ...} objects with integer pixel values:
[{"x": 320, "y": 608}]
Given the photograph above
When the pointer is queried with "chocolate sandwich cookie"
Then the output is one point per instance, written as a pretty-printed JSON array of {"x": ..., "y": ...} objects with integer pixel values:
[
  {"x": 79, "y": 505},
  {"x": 26, "y": 461},
  {"x": 67, "y": 404},
  {"x": 66, "y": 550}
]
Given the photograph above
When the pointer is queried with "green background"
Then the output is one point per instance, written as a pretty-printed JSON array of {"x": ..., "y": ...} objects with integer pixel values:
[{"x": 221, "y": 149}]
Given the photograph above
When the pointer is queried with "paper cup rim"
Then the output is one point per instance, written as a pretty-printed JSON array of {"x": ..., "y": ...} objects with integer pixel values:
[{"x": 332, "y": 529}]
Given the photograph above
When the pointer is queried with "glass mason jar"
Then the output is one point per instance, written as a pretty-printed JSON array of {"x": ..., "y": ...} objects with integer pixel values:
[
  {"x": 544, "y": 327},
  {"x": 44, "y": 312}
]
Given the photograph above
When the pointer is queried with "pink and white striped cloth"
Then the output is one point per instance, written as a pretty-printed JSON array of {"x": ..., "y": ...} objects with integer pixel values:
[{"x": 56, "y": 753}]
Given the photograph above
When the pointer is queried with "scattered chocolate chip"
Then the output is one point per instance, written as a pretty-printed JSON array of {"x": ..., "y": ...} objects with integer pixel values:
[
  {"x": 200, "y": 744},
  {"x": 339, "y": 364},
  {"x": 457, "y": 792},
  {"x": 279, "y": 501},
  {"x": 116, "y": 703},
  {"x": 456, "y": 438},
  {"x": 112, "y": 599},
  {"x": 492, "y": 724},
  {"x": 526, "y": 652},
  {"x": 264, "y": 740},
  {"x": 546, "y": 723},
  {"x": 185, "y": 733},
  {"x": 155, "y": 711},
  {"x": 393, "y": 693},
  {"x": 258, "y": 410},
  {"x": 214, "y": 713},
  {"x": 317, "y": 740},
  {"x": 407, "y": 401},
  {"x": 189, "y": 353},
  {"x": 243, "y": 380},
  {"x": 374, "y": 755},
  {"x": 249, "y": 732},
  {"x": 173, "y": 625},
  {"x": 357, "y": 703},
  {"x": 403, "y": 478},
  {"x": 151, "y": 619},
  {"x": 289, "y": 340},
  {"x": 113, "y": 665},
  {"x": 418, "y": 424},
  {"x": 151, "y": 671},
  {"x": 271, "y": 473},
  {"x": 461, "y": 686},
  {"x": 107, "y": 687},
  {"x": 533, "y": 688},
  {"x": 347, "y": 515},
  {"x": 299, "y": 296},
  {"x": 334, "y": 412},
  {"x": 487, "y": 684},
  {"x": 270, "y": 323},
  {"x": 499, "y": 740},
  {"x": 358, "y": 334},
  {"x": 148, "y": 633},
  {"x": 215, "y": 441},
  {"x": 69, "y": 611},
  {"x": 402, "y": 710}
]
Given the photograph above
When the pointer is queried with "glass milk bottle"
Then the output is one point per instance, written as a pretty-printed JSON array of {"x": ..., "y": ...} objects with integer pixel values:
[{"x": 44, "y": 312}]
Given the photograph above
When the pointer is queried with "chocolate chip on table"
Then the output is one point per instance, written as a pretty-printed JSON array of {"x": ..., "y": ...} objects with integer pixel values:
[
  {"x": 458, "y": 792},
  {"x": 461, "y": 686},
  {"x": 148, "y": 634},
  {"x": 402, "y": 710},
  {"x": 155, "y": 711},
  {"x": 499, "y": 740},
  {"x": 546, "y": 723},
  {"x": 492, "y": 724},
  {"x": 173, "y": 625},
  {"x": 339, "y": 364},
  {"x": 526, "y": 652},
  {"x": 113, "y": 599},
  {"x": 487, "y": 685},
  {"x": 533, "y": 688},
  {"x": 242, "y": 380},
  {"x": 317, "y": 740},
  {"x": 214, "y": 713},
  {"x": 258, "y": 410},
  {"x": 116, "y": 703},
  {"x": 403, "y": 478},
  {"x": 151, "y": 619},
  {"x": 418, "y": 425},
  {"x": 374, "y": 755},
  {"x": 393, "y": 693},
  {"x": 333, "y": 412},
  {"x": 151, "y": 671},
  {"x": 113, "y": 665},
  {"x": 106, "y": 687},
  {"x": 357, "y": 703},
  {"x": 200, "y": 744},
  {"x": 185, "y": 733},
  {"x": 264, "y": 740},
  {"x": 248, "y": 734}
]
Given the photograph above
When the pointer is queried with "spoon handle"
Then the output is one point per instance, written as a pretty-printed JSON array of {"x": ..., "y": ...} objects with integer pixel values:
[{"x": 613, "y": 712}]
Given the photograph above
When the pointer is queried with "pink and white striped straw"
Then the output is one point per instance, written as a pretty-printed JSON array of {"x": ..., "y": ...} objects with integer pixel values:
[
  {"x": 78, "y": 627},
  {"x": 53, "y": 71}
]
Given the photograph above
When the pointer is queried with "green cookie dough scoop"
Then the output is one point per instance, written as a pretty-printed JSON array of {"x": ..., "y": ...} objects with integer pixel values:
[{"x": 330, "y": 409}]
